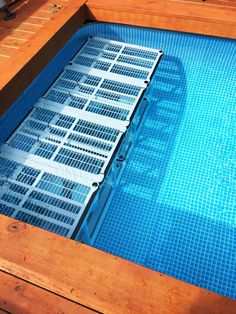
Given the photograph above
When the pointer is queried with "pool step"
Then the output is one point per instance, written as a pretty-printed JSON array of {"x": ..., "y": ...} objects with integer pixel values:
[{"x": 59, "y": 169}]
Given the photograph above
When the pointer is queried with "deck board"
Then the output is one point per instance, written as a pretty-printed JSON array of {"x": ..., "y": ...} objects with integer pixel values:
[
  {"x": 181, "y": 15},
  {"x": 96, "y": 279},
  {"x": 38, "y": 50},
  {"x": 31, "y": 16},
  {"x": 18, "y": 296}
]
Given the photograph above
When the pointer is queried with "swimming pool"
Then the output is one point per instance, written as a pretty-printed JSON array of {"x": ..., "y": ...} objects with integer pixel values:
[{"x": 174, "y": 210}]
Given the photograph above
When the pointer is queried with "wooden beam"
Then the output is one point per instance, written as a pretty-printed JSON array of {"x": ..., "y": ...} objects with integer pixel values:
[
  {"x": 96, "y": 279},
  {"x": 33, "y": 56},
  {"x": 18, "y": 296},
  {"x": 186, "y": 16}
]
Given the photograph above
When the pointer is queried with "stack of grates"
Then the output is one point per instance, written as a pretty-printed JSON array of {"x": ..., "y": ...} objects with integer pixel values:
[{"x": 53, "y": 164}]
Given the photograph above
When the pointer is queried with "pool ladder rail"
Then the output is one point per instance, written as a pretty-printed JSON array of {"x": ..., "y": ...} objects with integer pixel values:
[{"x": 60, "y": 168}]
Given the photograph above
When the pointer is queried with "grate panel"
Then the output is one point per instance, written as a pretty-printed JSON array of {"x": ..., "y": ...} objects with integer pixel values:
[
  {"x": 140, "y": 53},
  {"x": 65, "y": 84},
  {"x": 84, "y": 61},
  {"x": 42, "y": 223},
  {"x": 65, "y": 98},
  {"x": 43, "y": 115},
  {"x": 107, "y": 110},
  {"x": 113, "y": 47},
  {"x": 33, "y": 146},
  {"x": 46, "y": 200},
  {"x": 50, "y": 117},
  {"x": 108, "y": 55},
  {"x": 41, "y": 209},
  {"x": 57, "y": 96},
  {"x": 97, "y": 130},
  {"x": 96, "y": 44},
  {"x": 77, "y": 102},
  {"x": 27, "y": 175},
  {"x": 45, "y": 150},
  {"x": 65, "y": 188},
  {"x": 22, "y": 142},
  {"x": 102, "y": 65},
  {"x": 131, "y": 72},
  {"x": 6, "y": 210},
  {"x": 72, "y": 75},
  {"x": 79, "y": 161},
  {"x": 42, "y": 131},
  {"x": 33, "y": 128},
  {"x": 92, "y": 80},
  {"x": 85, "y": 89},
  {"x": 119, "y": 98},
  {"x": 123, "y": 88},
  {"x": 136, "y": 61},
  {"x": 90, "y": 51},
  {"x": 76, "y": 140}
]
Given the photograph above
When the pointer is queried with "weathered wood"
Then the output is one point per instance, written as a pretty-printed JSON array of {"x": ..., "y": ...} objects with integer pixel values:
[
  {"x": 187, "y": 16},
  {"x": 18, "y": 296},
  {"x": 96, "y": 279}
]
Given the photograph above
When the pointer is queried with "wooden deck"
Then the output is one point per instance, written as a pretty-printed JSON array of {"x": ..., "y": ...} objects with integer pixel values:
[
  {"x": 24, "y": 62},
  {"x": 41, "y": 272},
  {"x": 210, "y": 17},
  {"x": 34, "y": 261}
]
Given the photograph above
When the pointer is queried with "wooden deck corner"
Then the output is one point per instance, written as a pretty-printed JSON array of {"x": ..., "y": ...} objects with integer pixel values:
[
  {"x": 40, "y": 270},
  {"x": 90, "y": 277}
]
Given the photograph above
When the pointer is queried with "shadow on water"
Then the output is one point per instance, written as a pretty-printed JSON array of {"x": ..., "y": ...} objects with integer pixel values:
[
  {"x": 130, "y": 219},
  {"x": 167, "y": 101}
]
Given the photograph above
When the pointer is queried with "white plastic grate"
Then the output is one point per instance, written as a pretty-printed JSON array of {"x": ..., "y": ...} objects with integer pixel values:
[
  {"x": 78, "y": 143},
  {"x": 51, "y": 166},
  {"x": 119, "y": 56},
  {"x": 43, "y": 199}
]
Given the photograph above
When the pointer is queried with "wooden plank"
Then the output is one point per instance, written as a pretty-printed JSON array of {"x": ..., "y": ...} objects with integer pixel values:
[
  {"x": 7, "y": 51},
  {"x": 178, "y": 9},
  {"x": 174, "y": 15},
  {"x": 36, "y": 53},
  {"x": 32, "y": 28},
  {"x": 15, "y": 33},
  {"x": 11, "y": 42},
  {"x": 169, "y": 23},
  {"x": 18, "y": 296},
  {"x": 96, "y": 279},
  {"x": 3, "y": 59}
]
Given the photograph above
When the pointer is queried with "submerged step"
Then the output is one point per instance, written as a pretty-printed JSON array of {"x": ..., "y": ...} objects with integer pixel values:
[{"x": 61, "y": 164}]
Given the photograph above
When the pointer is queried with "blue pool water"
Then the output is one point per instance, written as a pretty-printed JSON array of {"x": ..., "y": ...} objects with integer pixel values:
[{"x": 175, "y": 207}]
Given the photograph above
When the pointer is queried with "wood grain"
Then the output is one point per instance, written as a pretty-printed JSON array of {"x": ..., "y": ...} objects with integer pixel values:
[
  {"x": 35, "y": 54},
  {"x": 96, "y": 279},
  {"x": 181, "y": 15},
  {"x": 179, "y": 9},
  {"x": 18, "y": 297}
]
